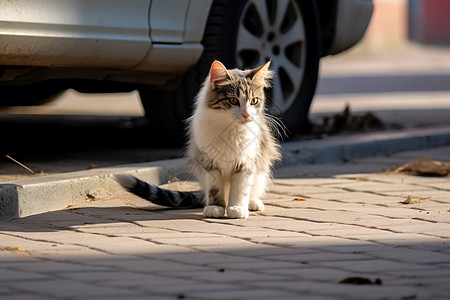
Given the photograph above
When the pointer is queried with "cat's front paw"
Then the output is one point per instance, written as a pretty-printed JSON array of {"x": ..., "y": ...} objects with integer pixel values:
[
  {"x": 237, "y": 212},
  {"x": 213, "y": 211},
  {"x": 256, "y": 205}
]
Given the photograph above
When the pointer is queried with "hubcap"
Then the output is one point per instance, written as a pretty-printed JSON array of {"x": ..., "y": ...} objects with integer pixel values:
[{"x": 274, "y": 30}]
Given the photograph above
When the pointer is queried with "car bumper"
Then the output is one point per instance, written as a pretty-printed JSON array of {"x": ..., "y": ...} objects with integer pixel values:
[{"x": 352, "y": 19}]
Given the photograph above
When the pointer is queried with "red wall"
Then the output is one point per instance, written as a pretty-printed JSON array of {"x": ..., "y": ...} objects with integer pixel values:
[{"x": 430, "y": 21}]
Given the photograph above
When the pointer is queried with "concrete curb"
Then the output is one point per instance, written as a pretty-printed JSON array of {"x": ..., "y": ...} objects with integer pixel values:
[
  {"x": 344, "y": 148},
  {"x": 36, "y": 195},
  {"x": 21, "y": 198}
]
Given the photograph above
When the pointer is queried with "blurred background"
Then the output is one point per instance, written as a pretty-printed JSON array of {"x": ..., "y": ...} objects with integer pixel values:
[
  {"x": 400, "y": 71},
  {"x": 397, "y": 77}
]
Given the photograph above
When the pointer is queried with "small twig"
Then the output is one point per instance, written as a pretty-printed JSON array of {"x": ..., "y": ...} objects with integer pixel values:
[{"x": 20, "y": 164}]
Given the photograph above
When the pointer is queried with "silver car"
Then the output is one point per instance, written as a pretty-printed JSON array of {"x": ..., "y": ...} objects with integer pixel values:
[{"x": 163, "y": 48}]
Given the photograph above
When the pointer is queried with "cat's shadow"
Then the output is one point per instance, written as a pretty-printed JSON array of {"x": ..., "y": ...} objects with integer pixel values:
[{"x": 79, "y": 218}]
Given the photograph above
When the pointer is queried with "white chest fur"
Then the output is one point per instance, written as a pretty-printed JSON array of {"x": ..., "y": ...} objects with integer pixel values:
[{"x": 228, "y": 142}]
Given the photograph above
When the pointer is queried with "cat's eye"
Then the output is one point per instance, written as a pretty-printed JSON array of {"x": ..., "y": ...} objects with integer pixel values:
[
  {"x": 233, "y": 100},
  {"x": 254, "y": 101}
]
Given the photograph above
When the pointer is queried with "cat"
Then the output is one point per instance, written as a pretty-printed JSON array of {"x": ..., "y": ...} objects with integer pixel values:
[{"x": 231, "y": 148}]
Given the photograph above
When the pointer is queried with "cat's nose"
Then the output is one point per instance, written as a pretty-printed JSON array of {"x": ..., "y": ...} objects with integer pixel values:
[{"x": 246, "y": 116}]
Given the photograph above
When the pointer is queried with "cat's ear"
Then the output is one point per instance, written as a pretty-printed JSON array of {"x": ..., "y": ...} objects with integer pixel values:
[
  {"x": 218, "y": 74},
  {"x": 262, "y": 75}
]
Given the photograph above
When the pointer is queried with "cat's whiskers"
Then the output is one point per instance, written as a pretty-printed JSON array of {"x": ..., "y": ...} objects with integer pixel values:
[{"x": 276, "y": 125}]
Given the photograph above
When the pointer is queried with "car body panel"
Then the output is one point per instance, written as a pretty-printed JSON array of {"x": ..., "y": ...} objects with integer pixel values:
[
  {"x": 139, "y": 41},
  {"x": 352, "y": 19},
  {"x": 161, "y": 36},
  {"x": 176, "y": 44},
  {"x": 196, "y": 17},
  {"x": 81, "y": 33},
  {"x": 167, "y": 19}
]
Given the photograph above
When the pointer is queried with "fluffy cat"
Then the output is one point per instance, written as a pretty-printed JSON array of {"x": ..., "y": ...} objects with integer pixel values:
[{"x": 231, "y": 147}]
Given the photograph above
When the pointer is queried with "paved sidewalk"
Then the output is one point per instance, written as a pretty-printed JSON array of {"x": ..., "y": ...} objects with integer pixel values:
[{"x": 350, "y": 225}]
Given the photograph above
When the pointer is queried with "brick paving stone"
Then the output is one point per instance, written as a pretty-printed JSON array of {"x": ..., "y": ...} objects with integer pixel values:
[
  {"x": 377, "y": 187},
  {"x": 353, "y": 246},
  {"x": 337, "y": 216},
  {"x": 386, "y": 237},
  {"x": 434, "y": 197},
  {"x": 207, "y": 256},
  {"x": 411, "y": 255},
  {"x": 185, "y": 289},
  {"x": 310, "y": 181},
  {"x": 171, "y": 224},
  {"x": 348, "y": 290},
  {"x": 394, "y": 211},
  {"x": 303, "y": 190},
  {"x": 441, "y": 185},
  {"x": 361, "y": 197},
  {"x": 376, "y": 266},
  {"x": 139, "y": 232},
  {"x": 148, "y": 265},
  {"x": 320, "y": 257},
  {"x": 110, "y": 277},
  {"x": 260, "y": 265},
  {"x": 60, "y": 220},
  {"x": 62, "y": 288},
  {"x": 53, "y": 267},
  {"x": 23, "y": 296},
  {"x": 350, "y": 225},
  {"x": 315, "y": 273},
  {"x": 253, "y": 250},
  {"x": 235, "y": 276},
  {"x": 245, "y": 293},
  {"x": 204, "y": 241},
  {"x": 328, "y": 170},
  {"x": 9, "y": 275}
]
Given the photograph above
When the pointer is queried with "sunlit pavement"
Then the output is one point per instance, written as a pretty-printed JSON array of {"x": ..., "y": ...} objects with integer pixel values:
[{"x": 338, "y": 222}]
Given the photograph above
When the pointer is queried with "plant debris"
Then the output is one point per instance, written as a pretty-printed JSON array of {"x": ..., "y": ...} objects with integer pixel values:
[
  {"x": 413, "y": 200},
  {"x": 40, "y": 173},
  {"x": 360, "y": 280},
  {"x": 175, "y": 179},
  {"x": 98, "y": 194},
  {"x": 346, "y": 121},
  {"x": 300, "y": 199},
  {"x": 13, "y": 249},
  {"x": 425, "y": 167},
  {"x": 20, "y": 164}
]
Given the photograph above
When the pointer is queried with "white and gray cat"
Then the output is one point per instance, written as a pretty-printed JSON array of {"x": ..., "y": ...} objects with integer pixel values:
[{"x": 231, "y": 147}]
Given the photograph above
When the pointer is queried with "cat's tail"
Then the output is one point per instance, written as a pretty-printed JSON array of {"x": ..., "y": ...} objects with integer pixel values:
[{"x": 157, "y": 195}]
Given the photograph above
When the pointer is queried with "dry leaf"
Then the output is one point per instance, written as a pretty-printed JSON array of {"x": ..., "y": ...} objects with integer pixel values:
[
  {"x": 299, "y": 199},
  {"x": 424, "y": 166},
  {"x": 360, "y": 280},
  {"x": 413, "y": 200},
  {"x": 175, "y": 179},
  {"x": 13, "y": 249}
]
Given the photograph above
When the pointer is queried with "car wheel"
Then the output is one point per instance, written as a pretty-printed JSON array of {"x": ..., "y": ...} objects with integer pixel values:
[
  {"x": 285, "y": 32},
  {"x": 244, "y": 34},
  {"x": 248, "y": 33}
]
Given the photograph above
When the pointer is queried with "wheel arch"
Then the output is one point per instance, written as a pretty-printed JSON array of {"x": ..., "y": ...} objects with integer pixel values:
[{"x": 327, "y": 10}]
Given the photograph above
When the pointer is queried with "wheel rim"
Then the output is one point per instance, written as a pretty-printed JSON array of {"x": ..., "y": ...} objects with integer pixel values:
[{"x": 274, "y": 30}]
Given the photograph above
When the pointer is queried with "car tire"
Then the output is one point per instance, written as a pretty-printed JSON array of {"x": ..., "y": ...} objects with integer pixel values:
[
  {"x": 285, "y": 32},
  {"x": 167, "y": 108}
]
